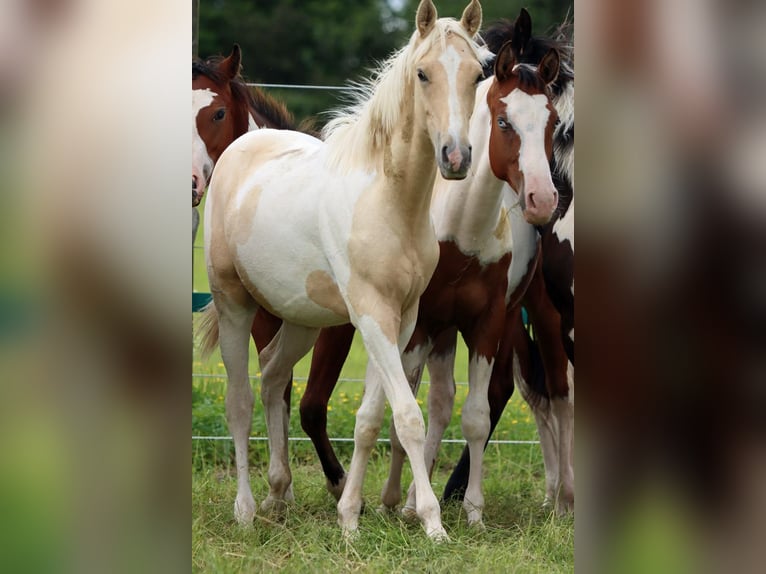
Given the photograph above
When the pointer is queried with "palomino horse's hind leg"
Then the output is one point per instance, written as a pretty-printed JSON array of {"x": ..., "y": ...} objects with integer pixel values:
[
  {"x": 234, "y": 338},
  {"x": 277, "y": 360},
  {"x": 369, "y": 418}
]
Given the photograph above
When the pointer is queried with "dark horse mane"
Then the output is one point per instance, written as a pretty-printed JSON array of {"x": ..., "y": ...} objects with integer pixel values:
[
  {"x": 272, "y": 110},
  {"x": 535, "y": 48},
  {"x": 531, "y": 50}
]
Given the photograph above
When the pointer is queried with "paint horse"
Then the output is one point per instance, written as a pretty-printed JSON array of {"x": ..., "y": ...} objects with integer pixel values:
[
  {"x": 487, "y": 252},
  {"x": 542, "y": 368},
  {"x": 325, "y": 233},
  {"x": 224, "y": 108}
]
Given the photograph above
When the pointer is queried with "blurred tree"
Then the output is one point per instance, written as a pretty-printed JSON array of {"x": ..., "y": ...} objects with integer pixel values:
[{"x": 328, "y": 42}]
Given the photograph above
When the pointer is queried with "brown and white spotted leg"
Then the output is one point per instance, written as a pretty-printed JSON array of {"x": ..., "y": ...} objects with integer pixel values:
[{"x": 475, "y": 425}]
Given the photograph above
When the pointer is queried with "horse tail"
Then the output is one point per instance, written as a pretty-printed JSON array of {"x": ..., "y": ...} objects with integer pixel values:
[{"x": 207, "y": 327}]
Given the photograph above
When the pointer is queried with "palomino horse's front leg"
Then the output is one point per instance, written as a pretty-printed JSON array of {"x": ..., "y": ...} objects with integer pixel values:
[
  {"x": 277, "y": 361},
  {"x": 234, "y": 338},
  {"x": 413, "y": 361},
  {"x": 385, "y": 370}
]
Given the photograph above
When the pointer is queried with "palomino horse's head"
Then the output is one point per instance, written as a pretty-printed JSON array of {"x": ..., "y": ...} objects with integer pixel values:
[
  {"x": 523, "y": 121},
  {"x": 218, "y": 117},
  {"x": 446, "y": 69}
]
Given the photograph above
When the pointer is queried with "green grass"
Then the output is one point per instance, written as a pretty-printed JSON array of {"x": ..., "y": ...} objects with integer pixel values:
[{"x": 520, "y": 535}]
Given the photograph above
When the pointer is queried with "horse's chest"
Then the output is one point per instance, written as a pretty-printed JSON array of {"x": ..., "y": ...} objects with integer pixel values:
[{"x": 462, "y": 287}]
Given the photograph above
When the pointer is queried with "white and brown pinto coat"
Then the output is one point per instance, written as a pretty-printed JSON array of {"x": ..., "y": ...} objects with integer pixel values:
[{"x": 323, "y": 233}]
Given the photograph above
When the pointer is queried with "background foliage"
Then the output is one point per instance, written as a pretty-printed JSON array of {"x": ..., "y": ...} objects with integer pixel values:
[{"x": 329, "y": 42}]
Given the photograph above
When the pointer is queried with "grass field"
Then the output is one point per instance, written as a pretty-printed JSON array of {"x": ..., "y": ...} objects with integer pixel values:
[{"x": 520, "y": 535}]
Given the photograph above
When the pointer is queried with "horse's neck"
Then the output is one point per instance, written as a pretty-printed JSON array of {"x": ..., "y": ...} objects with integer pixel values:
[
  {"x": 409, "y": 169},
  {"x": 469, "y": 211}
]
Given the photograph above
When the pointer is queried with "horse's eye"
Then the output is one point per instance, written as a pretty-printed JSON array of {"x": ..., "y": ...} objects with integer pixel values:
[
  {"x": 219, "y": 115},
  {"x": 421, "y": 76},
  {"x": 502, "y": 124}
]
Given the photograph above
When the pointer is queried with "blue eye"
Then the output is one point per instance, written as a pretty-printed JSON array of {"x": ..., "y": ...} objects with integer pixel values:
[{"x": 502, "y": 124}]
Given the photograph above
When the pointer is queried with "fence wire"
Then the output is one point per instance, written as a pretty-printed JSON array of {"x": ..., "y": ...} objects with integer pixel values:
[{"x": 255, "y": 377}]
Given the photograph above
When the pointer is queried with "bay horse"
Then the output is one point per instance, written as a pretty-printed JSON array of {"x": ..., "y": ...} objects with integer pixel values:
[
  {"x": 488, "y": 247},
  {"x": 224, "y": 108},
  {"x": 543, "y": 368},
  {"x": 326, "y": 233}
]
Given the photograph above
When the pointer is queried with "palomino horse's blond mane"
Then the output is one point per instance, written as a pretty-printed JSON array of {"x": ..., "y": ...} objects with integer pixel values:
[{"x": 358, "y": 132}]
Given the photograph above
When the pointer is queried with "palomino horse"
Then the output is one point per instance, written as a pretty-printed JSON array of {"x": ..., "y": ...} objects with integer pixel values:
[
  {"x": 545, "y": 378},
  {"x": 325, "y": 233},
  {"x": 224, "y": 108},
  {"x": 486, "y": 252}
]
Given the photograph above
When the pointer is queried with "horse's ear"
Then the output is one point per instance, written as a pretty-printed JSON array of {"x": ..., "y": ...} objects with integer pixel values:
[
  {"x": 471, "y": 19},
  {"x": 231, "y": 65},
  {"x": 549, "y": 66},
  {"x": 522, "y": 30},
  {"x": 504, "y": 62},
  {"x": 426, "y": 17}
]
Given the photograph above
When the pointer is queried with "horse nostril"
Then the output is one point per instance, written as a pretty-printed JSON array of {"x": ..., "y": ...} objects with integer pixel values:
[
  {"x": 445, "y": 159},
  {"x": 532, "y": 200},
  {"x": 470, "y": 149},
  {"x": 194, "y": 182}
]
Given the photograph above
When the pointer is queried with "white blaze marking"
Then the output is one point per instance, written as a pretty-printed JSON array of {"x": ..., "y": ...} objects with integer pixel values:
[
  {"x": 528, "y": 115},
  {"x": 450, "y": 59},
  {"x": 200, "y": 157}
]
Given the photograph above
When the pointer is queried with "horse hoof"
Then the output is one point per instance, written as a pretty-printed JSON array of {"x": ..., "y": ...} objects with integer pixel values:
[
  {"x": 350, "y": 534},
  {"x": 409, "y": 513},
  {"x": 336, "y": 489},
  {"x": 244, "y": 511},
  {"x": 273, "y": 507},
  {"x": 438, "y": 534},
  {"x": 385, "y": 510},
  {"x": 477, "y": 525}
]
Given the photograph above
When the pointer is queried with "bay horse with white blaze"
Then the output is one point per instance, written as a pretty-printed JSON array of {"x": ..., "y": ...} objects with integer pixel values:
[
  {"x": 224, "y": 108},
  {"x": 325, "y": 233},
  {"x": 488, "y": 249}
]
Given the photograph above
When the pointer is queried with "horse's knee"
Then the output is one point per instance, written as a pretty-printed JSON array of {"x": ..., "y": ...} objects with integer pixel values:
[
  {"x": 409, "y": 424},
  {"x": 366, "y": 431}
]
